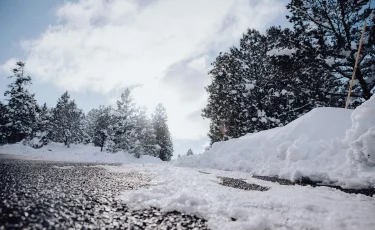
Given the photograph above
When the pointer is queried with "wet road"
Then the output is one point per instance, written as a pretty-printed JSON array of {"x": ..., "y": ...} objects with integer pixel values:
[{"x": 60, "y": 195}]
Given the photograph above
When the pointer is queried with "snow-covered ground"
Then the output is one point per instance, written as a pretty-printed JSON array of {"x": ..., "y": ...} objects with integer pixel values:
[
  {"x": 281, "y": 207},
  {"x": 327, "y": 144},
  {"x": 76, "y": 153},
  {"x": 332, "y": 145}
]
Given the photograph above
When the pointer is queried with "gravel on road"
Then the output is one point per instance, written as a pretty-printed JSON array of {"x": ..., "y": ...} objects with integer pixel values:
[
  {"x": 61, "y": 195},
  {"x": 241, "y": 184}
]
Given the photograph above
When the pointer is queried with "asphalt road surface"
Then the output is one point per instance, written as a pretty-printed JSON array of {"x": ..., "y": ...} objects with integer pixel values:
[{"x": 61, "y": 195}]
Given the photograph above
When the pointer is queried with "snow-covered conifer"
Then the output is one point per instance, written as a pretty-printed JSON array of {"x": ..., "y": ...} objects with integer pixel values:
[
  {"x": 101, "y": 126},
  {"x": 163, "y": 137},
  {"x": 22, "y": 109},
  {"x": 146, "y": 134},
  {"x": 189, "y": 153},
  {"x": 124, "y": 117},
  {"x": 4, "y": 129},
  {"x": 332, "y": 30},
  {"x": 44, "y": 128},
  {"x": 67, "y": 121}
]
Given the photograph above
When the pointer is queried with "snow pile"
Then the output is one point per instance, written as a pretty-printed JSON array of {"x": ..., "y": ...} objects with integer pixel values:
[
  {"x": 361, "y": 136},
  {"x": 76, "y": 153},
  {"x": 281, "y": 207},
  {"x": 327, "y": 144}
]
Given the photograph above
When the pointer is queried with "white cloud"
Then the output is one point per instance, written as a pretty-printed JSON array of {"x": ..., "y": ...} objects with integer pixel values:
[
  {"x": 164, "y": 45},
  {"x": 6, "y": 68}
]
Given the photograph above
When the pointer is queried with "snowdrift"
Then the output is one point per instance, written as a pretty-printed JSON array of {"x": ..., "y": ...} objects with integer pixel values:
[
  {"x": 76, "y": 153},
  {"x": 329, "y": 145}
]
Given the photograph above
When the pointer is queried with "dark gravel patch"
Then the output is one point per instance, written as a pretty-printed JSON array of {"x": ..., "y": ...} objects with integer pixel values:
[
  {"x": 59, "y": 195},
  {"x": 306, "y": 181},
  {"x": 276, "y": 180},
  {"x": 241, "y": 184},
  {"x": 203, "y": 172}
]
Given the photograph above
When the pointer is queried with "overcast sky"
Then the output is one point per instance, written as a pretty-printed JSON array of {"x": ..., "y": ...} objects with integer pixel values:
[{"x": 96, "y": 48}]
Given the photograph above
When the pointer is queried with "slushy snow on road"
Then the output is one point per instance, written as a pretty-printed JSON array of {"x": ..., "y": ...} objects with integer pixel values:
[
  {"x": 328, "y": 144},
  {"x": 198, "y": 192}
]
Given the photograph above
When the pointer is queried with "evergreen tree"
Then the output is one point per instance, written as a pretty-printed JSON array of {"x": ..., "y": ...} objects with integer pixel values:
[
  {"x": 124, "y": 134},
  {"x": 68, "y": 121},
  {"x": 332, "y": 30},
  {"x": 313, "y": 86},
  {"x": 89, "y": 124},
  {"x": 189, "y": 153},
  {"x": 258, "y": 83},
  {"x": 102, "y": 126},
  {"x": 265, "y": 83},
  {"x": 22, "y": 108},
  {"x": 273, "y": 79},
  {"x": 4, "y": 129},
  {"x": 163, "y": 137},
  {"x": 145, "y": 134},
  {"x": 237, "y": 98},
  {"x": 44, "y": 127},
  {"x": 222, "y": 106}
]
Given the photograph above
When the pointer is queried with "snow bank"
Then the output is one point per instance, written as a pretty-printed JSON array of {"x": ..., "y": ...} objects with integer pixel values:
[
  {"x": 76, "y": 153},
  {"x": 327, "y": 144},
  {"x": 361, "y": 136}
]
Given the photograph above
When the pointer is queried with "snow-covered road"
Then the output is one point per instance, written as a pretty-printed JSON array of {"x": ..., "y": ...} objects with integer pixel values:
[
  {"x": 198, "y": 192},
  {"x": 39, "y": 194}
]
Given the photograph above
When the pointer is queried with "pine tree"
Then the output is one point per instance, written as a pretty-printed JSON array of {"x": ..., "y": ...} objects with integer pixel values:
[
  {"x": 102, "y": 126},
  {"x": 68, "y": 121},
  {"x": 22, "y": 108},
  {"x": 124, "y": 134},
  {"x": 267, "y": 82},
  {"x": 312, "y": 85},
  {"x": 332, "y": 29},
  {"x": 189, "y": 153},
  {"x": 4, "y": 129},
  {"x": 163, "y": 137},
  {"x": 44, "y": 127},
  {"x": 145, "y": 134},
  {"x": 236, "y": 96},
  {"x": 89, "y": 124},
  {"x": 257, "y": 72},
  {"x": 225, "y": 98}
]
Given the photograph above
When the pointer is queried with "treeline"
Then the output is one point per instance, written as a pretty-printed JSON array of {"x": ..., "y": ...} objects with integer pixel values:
[
  {"x": 123, "y": 128},
  {"x": 273, "y": 78}
]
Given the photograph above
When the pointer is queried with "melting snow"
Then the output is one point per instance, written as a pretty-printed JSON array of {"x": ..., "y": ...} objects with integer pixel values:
[{"x": 281, "y": 207}]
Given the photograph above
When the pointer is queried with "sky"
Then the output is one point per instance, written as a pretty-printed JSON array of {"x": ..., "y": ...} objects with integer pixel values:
[{"x": 161, "y": 48}]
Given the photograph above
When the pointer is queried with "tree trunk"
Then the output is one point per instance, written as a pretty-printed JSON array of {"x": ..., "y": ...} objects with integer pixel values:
[{"x": 102, "y": 143}]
